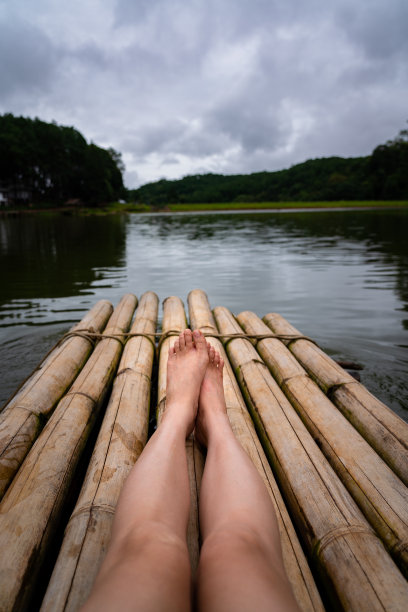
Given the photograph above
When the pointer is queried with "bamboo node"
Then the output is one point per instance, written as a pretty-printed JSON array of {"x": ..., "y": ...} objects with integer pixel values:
[
  {"x": 135, "y": 372},
  {"x": 88, "y": 508},
  {"x": 339, "y": 532},
  {"x": 332, "y": 390},
  {"x": 93, "y": 400},
  {"x": 400, "y": 547}
]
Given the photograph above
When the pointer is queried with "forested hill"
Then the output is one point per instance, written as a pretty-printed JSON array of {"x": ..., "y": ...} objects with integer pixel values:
[
  {"x": 380, "y": 176},
  {"x": 46, "y": 162}
]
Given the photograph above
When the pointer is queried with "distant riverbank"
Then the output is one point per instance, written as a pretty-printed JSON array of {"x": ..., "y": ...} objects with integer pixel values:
[
  {"x": 131, "y": 207},
  {"x": 285, "y": 205}
]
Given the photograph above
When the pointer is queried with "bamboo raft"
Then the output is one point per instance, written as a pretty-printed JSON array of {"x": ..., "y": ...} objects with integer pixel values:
[{"x": 334, "y": 458}]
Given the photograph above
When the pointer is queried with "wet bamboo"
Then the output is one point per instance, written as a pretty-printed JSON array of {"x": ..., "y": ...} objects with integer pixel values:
[
  {"x": 24, "y": 415},
  {"x": 174, "y": 318},
  {"x": 353, "y": 563},
  {"x": 296, "y": 566},
  {"x": 379, "y": 425},
  {"x": 31, "y": 509},
  {"x": 381, "y": 495},
  {"x": 121, "y": 439}
]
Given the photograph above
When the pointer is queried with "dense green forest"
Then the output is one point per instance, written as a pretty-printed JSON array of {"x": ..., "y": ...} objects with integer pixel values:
[
  {"x": 44, "y": 162},
  {"x": 380, "y": 176}
]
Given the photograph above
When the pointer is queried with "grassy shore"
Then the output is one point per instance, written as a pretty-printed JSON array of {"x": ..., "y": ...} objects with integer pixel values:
[
  {"x": 285, "y": 205},
  {"x": 226, "y": 206},
  {"x": 131, "y": 207}
]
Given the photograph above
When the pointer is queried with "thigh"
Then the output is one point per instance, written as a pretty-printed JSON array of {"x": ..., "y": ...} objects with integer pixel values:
[
  {"x": 238, "y": 573},
  {"x": 148, "y": 572}
]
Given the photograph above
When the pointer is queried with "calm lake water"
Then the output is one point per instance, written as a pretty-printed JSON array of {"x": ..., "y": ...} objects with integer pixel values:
[{"x": 340, "y": 277}]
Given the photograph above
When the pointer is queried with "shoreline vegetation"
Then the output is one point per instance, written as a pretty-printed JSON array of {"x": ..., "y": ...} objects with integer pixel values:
[
  {"x": 119, "y": 208},
  {"x": 45, "y": 166}
]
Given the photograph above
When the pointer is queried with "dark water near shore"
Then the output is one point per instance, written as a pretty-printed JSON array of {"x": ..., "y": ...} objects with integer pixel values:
[{"x": 340, "y": 277}]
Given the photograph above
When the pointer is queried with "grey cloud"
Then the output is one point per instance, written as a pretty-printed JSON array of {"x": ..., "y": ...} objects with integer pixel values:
[
  {"x": 199, "y": 143},
  {"x": 379, "y": 28},
  {"x": 29, "y": 60},
  {"x": 91, "y": 55},
  {"x": 214, "y": 85},
  {"x": 146, "y": 139},
  {"x": 137, "y": 10},
  {"x": 169, "y": 161},
  {"x": 251, "y": 126}
]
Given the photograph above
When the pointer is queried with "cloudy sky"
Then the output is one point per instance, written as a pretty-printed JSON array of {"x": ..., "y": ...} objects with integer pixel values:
[{"x": 192, "y": 86}]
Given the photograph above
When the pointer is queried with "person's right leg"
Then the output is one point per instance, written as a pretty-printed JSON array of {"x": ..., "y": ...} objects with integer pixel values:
[{"x": 241, "y": 566}]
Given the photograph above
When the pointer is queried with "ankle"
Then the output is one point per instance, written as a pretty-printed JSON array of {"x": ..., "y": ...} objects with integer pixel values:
[
  {"x": 218, "y": 426},
  {"x": 174, "y": 423}
]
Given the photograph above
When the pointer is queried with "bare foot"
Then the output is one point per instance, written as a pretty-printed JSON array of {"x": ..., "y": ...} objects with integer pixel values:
[
  {"x": 186, "y": 366},
  {"x": 211, "y": 403}
]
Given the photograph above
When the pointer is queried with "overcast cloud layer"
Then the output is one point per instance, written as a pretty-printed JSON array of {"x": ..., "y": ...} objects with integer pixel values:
[{"x": 192, "y": 86}]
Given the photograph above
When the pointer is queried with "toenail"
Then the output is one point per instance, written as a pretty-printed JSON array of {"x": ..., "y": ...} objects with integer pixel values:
[{"x": 196, "y": 333}]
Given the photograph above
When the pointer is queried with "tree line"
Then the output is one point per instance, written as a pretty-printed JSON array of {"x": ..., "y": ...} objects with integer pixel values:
[
  {"x": 383, "y": 175},
  {"x": 45, "y": 162}
]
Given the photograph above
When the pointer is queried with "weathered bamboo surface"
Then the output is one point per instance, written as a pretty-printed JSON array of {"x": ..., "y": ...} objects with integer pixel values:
[
  {"x": 327, "y": 467},
  {"x": 379, "y": 425},
  {"x": 296, "y": 566},
  {"x": 353, "y": 563},
  {"x": 174, "y": 318},
  {"x": 381, "y": 495},
  {"x": 22, "y": 418},
  {"x": 121, "y": 439},
  {"x": 31, "y": 508}
]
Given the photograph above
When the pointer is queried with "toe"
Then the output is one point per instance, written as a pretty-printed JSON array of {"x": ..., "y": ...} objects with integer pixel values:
[
  {"x": 176, "y": 346},
  {"x": 216, "y": 358},
  {"x": 188, "y": 337},
  {"x": 199, "y": 340},
  {"x": 171, "y": 351},
  {"x": 211, "y": 354},
  {"x": 182, "y": 341}
]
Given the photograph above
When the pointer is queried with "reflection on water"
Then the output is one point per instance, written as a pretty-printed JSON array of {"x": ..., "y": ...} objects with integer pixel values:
[
  {"x": 57, "y": 256},
  {"x": 340, "y": 277}
]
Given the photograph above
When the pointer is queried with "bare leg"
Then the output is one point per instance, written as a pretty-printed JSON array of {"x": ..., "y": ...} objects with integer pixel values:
[
  {"x": 241, "y": 566},
  {"x": 147, "y": 566}
]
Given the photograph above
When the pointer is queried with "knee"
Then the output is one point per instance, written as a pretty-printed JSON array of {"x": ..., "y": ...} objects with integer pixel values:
[
  {"x": 154, "y": 535},
  {"x": 234, "y": 541}
]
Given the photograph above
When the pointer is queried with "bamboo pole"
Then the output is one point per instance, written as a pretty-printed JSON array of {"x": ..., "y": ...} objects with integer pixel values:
[
  {"x": 353, "y": 563},
  {"x": 174, "y": 318},
  {"x": 30, "y": 510},
  {"x": 121, "y": 440},
  {"x": 381, "y": 495},
  {"x": 23, "y": 416},
  {"x": 296, "y": 566},
  {"x": 379, "y": 425}
]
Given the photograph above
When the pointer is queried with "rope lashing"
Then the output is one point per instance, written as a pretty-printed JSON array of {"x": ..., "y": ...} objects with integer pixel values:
[
  {"x": 93, "y": 337},
  {"x": 162, "y": 336}
]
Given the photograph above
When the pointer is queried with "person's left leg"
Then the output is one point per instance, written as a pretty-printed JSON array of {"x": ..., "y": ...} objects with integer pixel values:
[
  {"x": 241, "y": 566},
  {"x": 147, "y": 565}
]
